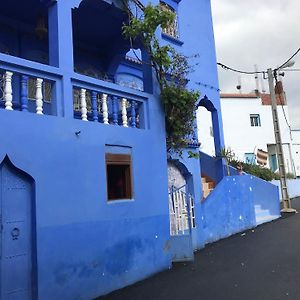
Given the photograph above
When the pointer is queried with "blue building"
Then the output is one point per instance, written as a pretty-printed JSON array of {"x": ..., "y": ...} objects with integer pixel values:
[{"x": 84, "y": 181}]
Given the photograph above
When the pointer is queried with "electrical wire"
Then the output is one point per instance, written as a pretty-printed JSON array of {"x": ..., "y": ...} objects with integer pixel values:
[
  {"x": 282, "y": 107},
  {"x": 239, "y": 71},
  {"x": 286, "y": 62},
  {"x": 260, "y": 72},
  {"x": 291, "y": 70}
]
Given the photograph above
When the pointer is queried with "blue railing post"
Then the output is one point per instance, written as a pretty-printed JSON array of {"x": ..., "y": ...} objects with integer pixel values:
[
  {"x": 24, "y": 93},
  {"x": 133, "y": 114},
  {"x": 94, "y": 106},
  {"x": 115, "y": 108}
]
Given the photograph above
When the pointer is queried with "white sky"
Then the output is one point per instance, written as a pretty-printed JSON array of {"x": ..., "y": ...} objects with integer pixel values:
[{"x": 262, "y": 32}]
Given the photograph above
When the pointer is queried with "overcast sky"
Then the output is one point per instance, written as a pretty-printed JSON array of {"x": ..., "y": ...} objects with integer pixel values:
[{"x": 262, "y": 32}]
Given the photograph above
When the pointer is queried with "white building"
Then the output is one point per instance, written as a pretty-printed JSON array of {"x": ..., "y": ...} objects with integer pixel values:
[
  {"x": 296, "y": 150},
  {"x": 248, "y": 127}
]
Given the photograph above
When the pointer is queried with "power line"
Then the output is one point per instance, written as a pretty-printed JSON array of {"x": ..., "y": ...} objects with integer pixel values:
[
  {"x": 286, "y": 62},
  {"x": 259, "y": 72},
  {"x": 239, "y": 71},
  {"x": 291, "y": 70}
]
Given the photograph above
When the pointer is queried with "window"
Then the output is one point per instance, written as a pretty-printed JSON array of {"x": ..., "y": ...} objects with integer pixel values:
[
  {"x": 119, "y": 176},
  {"x": 250, "y": 158},
  {"x": 273, "y": 162},
  {"x": 255, "y": 120},
  {"x": 172, "y": 28}
]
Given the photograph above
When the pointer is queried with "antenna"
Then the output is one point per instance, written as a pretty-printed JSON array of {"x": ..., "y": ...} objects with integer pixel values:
[
  {"x": 239, "y": 86},
  {"x": 257, "y": 90},
  {"x": 263, "y": 89}
]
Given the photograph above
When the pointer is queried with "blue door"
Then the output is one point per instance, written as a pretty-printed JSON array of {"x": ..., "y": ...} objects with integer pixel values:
[{"x": 16, "y": 241}]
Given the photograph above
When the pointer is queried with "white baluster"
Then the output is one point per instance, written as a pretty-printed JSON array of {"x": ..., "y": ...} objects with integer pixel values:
[
  {"x": 39, "y": 96},
  {"x": 83, "y": 105},
  {"x": 104, "y": 109},
  {"x": 124, "y": 112},
  {"x": 8, "y": 90}
]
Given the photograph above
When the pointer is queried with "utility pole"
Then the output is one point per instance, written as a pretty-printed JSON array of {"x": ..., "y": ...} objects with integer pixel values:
[{"x": 280, "y": 157}]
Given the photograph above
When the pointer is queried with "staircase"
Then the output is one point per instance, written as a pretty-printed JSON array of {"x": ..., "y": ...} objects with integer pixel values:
[
  {"x": 263, "y": 215},
  {"x": 207, "y": 185}
]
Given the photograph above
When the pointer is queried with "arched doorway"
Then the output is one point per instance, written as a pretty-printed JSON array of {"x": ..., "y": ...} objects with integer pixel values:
[
  {"x": 17, "y": 232},
  {"x": 176, "y": 178},
  {"x": 210, "y": 135},
  {"x": 181, "y": 209}
]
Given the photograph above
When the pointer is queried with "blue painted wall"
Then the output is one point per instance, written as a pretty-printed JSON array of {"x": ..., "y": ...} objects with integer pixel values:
[
  {"x": 196, "y": 41},
  {"x": 86, "y": 246},
  {"x": 230, "y": 207}
]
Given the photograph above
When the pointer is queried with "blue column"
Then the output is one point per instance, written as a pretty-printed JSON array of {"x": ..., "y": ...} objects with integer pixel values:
[
  {"x": 219, "y": 142},
  {"x": 115, "y": 109},
  {"x": 133, "y": 114},
  {"x": 24, "y": 93},
  {"x": 61, "y": 53},
  {"x": 94, "y": 106},
  {"x": 60, "y": 35},
  {"x": 147, "y": 72}
]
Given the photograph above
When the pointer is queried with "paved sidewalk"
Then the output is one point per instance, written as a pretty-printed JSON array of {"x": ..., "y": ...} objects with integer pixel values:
[{"x": 262, "y": 264}]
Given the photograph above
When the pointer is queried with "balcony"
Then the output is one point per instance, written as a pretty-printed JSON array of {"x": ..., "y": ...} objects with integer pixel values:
[{"x": 40, "y": 89}]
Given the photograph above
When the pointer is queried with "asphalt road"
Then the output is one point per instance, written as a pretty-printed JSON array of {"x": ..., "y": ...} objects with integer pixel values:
[{"x": 260, "y": 264}]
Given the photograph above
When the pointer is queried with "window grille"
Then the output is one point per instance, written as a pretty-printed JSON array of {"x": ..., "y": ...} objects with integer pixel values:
[
  {"x": 172, "y": 28},
  {"x": 255, "y": 120}
]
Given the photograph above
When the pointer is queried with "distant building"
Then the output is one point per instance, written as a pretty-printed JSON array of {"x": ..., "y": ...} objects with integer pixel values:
[
  {"x": 296, "y": 150},
  {"x": 248, "y": 129}
]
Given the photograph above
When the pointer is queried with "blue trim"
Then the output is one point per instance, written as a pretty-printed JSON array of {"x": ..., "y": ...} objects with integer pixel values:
[{"x": 171, "y": 39}]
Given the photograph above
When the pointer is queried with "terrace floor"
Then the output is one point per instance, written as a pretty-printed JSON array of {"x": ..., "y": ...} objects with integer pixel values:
[{"x": 259, "y": 264}]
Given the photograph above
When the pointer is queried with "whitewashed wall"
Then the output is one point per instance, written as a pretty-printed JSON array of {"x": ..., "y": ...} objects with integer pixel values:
[
  {"x": 296, "y": 150},
  {"x": 239, "y": 135},
  {"x": 293, "y": 187}
]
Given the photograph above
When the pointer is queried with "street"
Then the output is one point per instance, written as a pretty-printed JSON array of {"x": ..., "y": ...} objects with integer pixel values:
[{"x": 259, "y": 264}]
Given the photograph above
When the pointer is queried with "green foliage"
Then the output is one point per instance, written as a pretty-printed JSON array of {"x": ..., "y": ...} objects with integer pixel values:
[
  {"x": 290, "y": 176},
  {"x": 256, "y": 170},
  {"x": 172, "y": 69},
  {"x": 228, "y": 155}
]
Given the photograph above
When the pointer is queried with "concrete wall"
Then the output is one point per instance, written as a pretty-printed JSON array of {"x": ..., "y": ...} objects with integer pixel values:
[
  {"x": 293, "y": 187},
  {"x": 296, "y": 150}
]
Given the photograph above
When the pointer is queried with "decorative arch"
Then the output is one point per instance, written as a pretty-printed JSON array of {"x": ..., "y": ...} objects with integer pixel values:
[
  {"x": 205, "y": 102},
  {"x": 178, "y": 174},
  {"x": 102, "y": 49},
  {"x": 6, "y": 160},
  {"x": 18, "y": 202}
]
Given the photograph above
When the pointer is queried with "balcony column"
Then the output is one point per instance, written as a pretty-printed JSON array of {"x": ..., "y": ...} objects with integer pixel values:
[
  {"x": 218, "y": 139},
  {"x": 61, "y": 53},
  {"x": 147, "y": 72}
]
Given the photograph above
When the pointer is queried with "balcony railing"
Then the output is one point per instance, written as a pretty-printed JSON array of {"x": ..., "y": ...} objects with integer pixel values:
[
  {"x": 32, "y": 87},
  {"x": 25, "y": 90},
  {"x": 108, "y": 105}
]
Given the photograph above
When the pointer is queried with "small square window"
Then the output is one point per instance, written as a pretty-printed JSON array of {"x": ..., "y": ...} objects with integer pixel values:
[
  {"x": 255, "y": 120},
  {"x": 119, "y": 176}
]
